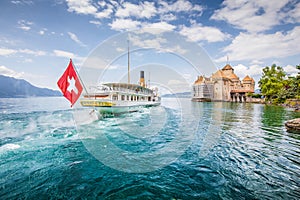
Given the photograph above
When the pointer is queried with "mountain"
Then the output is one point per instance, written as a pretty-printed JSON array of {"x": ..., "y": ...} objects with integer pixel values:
[
  {"x": 178, "y": 95},
  {"x": 18, "y": 88}
]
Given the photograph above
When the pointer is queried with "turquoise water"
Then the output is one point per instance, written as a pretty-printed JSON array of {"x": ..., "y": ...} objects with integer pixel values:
[{"x": 235, "y": 151}]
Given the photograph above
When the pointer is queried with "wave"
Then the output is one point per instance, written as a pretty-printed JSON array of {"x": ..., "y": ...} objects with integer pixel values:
[{"x": 9, "y": 146}]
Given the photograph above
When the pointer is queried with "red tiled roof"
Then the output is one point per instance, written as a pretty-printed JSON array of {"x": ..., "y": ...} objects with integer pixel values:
[
  {"x": 247, "y": 78},
  {"x": 233, "y": 76},
  {"x": 227, "y": 67},
  {"x": 218, "y": 74},
  {"x": 199, "y": 80}
]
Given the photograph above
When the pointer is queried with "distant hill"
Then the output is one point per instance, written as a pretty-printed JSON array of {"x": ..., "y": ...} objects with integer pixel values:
[
  {"x": 178, "y": 95},
  {"x": 18, "y": 88}
]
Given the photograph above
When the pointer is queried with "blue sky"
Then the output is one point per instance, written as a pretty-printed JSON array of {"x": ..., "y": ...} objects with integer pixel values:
[{"x": 37, "y": 38}]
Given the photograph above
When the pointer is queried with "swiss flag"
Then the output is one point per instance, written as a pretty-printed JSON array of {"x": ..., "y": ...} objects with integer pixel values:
[{"x": 69, "y": 84}]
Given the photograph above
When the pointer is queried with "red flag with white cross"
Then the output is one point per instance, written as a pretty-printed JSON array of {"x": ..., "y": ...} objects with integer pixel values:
[{"x": 69, "y": 84}]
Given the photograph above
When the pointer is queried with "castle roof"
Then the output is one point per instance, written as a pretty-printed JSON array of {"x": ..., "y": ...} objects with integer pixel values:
[
  {"x": 233, "y": 76},
  {"x": 227, "y": 67},
  {"x": 199, "y": 80},
  {"x": 218, "y": 74},
  {"x": 247, "y": 78}
]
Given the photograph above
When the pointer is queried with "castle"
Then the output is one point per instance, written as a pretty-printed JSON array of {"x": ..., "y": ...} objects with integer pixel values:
[{"x": 223, "y": 85}]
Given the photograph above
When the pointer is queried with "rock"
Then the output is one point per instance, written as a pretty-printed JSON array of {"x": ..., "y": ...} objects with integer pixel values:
[{"x": 293, "y": 125}]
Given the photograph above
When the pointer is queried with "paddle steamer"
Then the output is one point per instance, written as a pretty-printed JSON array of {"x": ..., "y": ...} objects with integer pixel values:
[{"x": 115, "y": 98}]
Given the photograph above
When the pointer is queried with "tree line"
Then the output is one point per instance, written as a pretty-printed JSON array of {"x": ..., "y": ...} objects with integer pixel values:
[{"x": 277, "y": 86}]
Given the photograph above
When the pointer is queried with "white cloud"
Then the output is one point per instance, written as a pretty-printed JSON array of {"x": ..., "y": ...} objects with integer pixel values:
[
  {"x": 95, "y": 22},
  {"x": 253, "y": 70},
  {"x": 64, "y": 54},
  {"x": 179, "y": 6},
  {"x": 143, "y": 10},
  {"x": 43, "y": 31},
  {"x": 6, "y": 52},
  {"x": 85, "y": 7},
  {"x": 102, "y": 3},
  {"x": 256, "y": 62},
  {"x": 148, "y": 42},
  {"x": 252, "y": 16},
  {"x": 75, "y": 39},
  {"x": 175, "y": 49},
  {"x": 105, "y": 13},
  {"x": 295, "y": 14},
  {"x": 25, "y": 25},
  {"x": 124, "y": 24},
  {"x": 9, "y": 72},
  {"x": 35, "y": 53},
  {"x": 156, "y": 42},
  {"x": 291, "y": 70},
  {"x": 81, "y": 6},
  {"x": 23, "y": 2},
  {"x": 248, "y": 46},
  {"x": 157, "y": 28},
  {"x": 198, "y": 33},
  {"x": 168, "y": 17}
]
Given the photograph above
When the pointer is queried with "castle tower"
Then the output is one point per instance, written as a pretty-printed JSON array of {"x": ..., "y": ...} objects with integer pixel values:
[{"x": 227, "y": 70}]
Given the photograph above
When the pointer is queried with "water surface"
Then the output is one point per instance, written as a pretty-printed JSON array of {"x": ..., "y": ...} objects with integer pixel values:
[{"x": 238, "y": 151}]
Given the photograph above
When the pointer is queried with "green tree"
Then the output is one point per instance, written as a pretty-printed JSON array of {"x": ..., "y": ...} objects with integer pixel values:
[
  {"x": 288, "y": 91},
  {"x": 292, "y": 87},
  {"x": 297, "y": 83},
  {"x": 272, "y": 82}
]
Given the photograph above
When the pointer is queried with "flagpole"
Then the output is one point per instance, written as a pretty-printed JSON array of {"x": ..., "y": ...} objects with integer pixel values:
[{"x": 79, "y": 78}]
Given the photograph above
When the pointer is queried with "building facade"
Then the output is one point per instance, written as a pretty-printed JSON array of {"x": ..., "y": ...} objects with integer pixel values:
[{"x": 223, "y": 85}]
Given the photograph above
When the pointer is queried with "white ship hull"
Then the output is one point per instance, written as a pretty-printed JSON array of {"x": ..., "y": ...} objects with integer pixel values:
[
  {"x": 116, "y": 98},
  {"x": 115, "y": 107}
]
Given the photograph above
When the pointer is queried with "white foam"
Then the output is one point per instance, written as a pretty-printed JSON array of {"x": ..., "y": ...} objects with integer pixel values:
[
  {"x": 83, "y": 117},
  {"x": 9, "y": 146},
  {"x": 75, "y": 162}
]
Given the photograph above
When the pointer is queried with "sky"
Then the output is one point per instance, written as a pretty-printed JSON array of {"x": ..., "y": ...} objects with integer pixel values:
[{"x": 37, "y": 38}]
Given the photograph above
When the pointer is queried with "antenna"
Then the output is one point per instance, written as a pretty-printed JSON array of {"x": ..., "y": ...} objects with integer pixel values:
[
  {"x": 227, "y": 60},
  {"x": 149, "y": 81},
  {"x": 128, "y": 65}
]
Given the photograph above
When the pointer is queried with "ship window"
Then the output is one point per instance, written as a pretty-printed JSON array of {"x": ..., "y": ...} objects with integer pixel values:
[
  {"x": 131, "y": 98},
  {"x": 115, "y": 97},
  {"x": 149, "y": 98},
  {"x": 127, "y": 98},
  {"x": 123, "y": 97}
]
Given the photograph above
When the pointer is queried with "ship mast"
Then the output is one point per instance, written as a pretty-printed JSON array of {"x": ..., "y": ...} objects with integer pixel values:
[{"x": 128, "y": 65}]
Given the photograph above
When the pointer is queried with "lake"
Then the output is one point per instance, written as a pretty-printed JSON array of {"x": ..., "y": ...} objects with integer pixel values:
[{"x": 180, "y": 150}]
